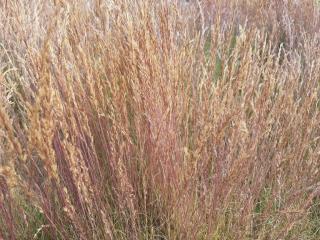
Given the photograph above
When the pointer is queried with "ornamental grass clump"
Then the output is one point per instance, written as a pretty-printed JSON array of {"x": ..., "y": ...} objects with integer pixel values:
[{"x": 159, "y": 119}]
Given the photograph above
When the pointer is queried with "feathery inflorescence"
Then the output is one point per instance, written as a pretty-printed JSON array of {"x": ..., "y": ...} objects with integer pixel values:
[{"x": 143, "y": 119}]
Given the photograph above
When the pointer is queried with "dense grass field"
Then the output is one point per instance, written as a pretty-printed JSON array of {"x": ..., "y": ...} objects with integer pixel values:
[{"x": 159, "y": 119}]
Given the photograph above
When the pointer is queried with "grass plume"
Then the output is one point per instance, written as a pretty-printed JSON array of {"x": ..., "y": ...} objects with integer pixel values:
[{"x": 159, "y": 119}]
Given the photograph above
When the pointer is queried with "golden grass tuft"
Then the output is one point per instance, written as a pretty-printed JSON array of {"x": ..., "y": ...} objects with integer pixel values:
[{"x": 159, "y": 119}]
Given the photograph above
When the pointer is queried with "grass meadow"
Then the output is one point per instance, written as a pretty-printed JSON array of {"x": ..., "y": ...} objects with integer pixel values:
[{"x": 159, "y": 119}]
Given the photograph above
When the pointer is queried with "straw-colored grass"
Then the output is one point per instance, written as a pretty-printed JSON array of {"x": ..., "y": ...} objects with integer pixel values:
[{"x": 144, "y": 119}]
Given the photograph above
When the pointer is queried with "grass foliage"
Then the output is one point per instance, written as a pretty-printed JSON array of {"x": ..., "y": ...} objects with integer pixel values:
[{"x": 145, "y": 119}]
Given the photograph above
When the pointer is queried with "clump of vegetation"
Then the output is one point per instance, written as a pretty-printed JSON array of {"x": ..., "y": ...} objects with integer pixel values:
[{"x": 144, "y": 119}]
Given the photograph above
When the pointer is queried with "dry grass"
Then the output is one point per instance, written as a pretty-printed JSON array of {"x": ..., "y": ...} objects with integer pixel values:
[{"x": 152, "y": 119}]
